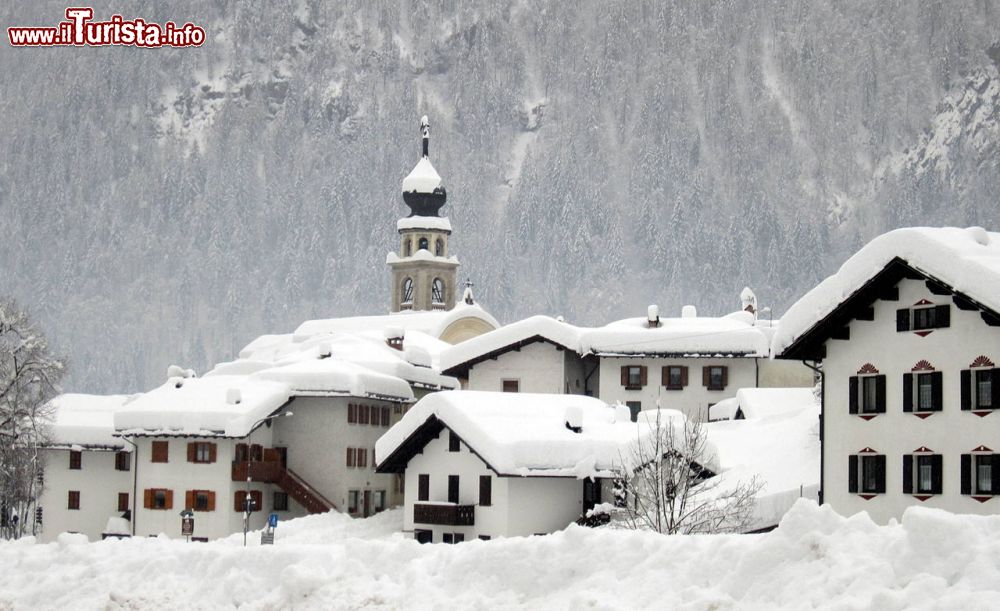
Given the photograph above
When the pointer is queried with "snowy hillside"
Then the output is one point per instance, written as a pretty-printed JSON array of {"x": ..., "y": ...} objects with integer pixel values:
[
  {"x": 167, "y": 206},
  {"x": 815, "y": 559}
]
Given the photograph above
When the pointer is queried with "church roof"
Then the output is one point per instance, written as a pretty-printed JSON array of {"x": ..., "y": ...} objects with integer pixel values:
[{"x": 422, "y": 179}]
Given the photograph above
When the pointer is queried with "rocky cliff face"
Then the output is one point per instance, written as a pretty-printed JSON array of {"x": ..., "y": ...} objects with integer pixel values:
[{"x": 166, "y": 206}]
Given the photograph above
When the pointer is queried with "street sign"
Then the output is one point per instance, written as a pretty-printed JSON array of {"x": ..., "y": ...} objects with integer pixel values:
[
  {"x": 272, "y": 520},
  {"x": 187, "y": 526}
]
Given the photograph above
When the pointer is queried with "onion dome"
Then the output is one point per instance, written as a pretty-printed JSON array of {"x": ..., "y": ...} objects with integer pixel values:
[{"x": 423, "y": 190}]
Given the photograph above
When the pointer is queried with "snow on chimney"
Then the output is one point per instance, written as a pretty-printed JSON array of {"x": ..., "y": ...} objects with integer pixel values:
[
  {"x": 689, "y": 311},
  {"x": 325, "y": 350},
  {"x": 234, "y": 396},
  {"x": 653, "y": 316},
  {"x": 574, "y": 418},
  {"x": 394, "y": 337}
]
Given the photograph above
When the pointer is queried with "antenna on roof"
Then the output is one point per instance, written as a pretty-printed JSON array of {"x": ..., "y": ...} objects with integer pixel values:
[{"x": 425, "y": 132}]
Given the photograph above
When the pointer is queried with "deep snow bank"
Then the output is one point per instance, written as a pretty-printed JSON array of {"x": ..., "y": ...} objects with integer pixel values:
[{"x": 814, "y": 559}]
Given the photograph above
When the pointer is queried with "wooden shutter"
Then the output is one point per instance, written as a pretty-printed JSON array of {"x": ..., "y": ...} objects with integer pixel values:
[
  {"x": 242, "y": 452},
  {"x": 362, "y": 457},
  {"x": 880, "y": 394},
  {"x": 903, "y": 319},
  {"x": 211, "y": 500},
  {"x": 725, "y": 376},
  {"x": 350, "y": 457},
  {"x": 664, "y": 376},
  {"x": 189, "y": 499},
  {"x": 684, "y": 375},
  {"x": 879, "y": 474},
  {"x": 212, "y": 452},
  {"x": 624, "y": 375},
  {"x": 907, "y": 392},
  {"x": 937, "y": 391},
  {"x": 942, "y": 315},
  {"x": 192, "y": 452},
  {"x": 994, "y": 388},
  {"x": 385, "y": 416},
  {"x": 170, "y": 499},
  {"x": 257, "y": 500},
  {"x": 123, "y": 501},
  {"x": 966, "y": 473},
  {"x": 937, "y": 473},
  {"x": 238, "y": 497},
  {"x": 642, "y": 375},
  {"x": 852, "y": 398},
  {"x": 706, "y": 376},
  {"x": 351, "y": 413},
  {"x": 966, "y": 381},
  {"x": 485, "y": 490},
  {"x": 423, "y": 487},
  {"x": 147, "y": 498},
  {"x": 852, "y": 473},
  {"x": 161, "y": 451},
  {"x": 907, "y": 474},
  {"x": 995, "y": 472}
]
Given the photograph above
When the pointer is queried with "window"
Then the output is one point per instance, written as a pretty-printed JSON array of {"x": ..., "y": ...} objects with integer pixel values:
[
  {"x": 453, "y": 537},
  {"x": 977, "y": 389},
  {"x": 352, "y": 413},
  {"x": 981, "y": 474},
  {"x": 407, "y": 247},
  {"x": 201, "y": 500},
  {"x": 407, "y": 290},
  {"x": 75, "y": 459},
  {"x": 866, "y": 474},
  {"x": 423, "y": 536},
  {"x": 715, "y": 377},
  {"x": 453, "y": 489},
  {"x": 591, "y": 494},
  {"x": 511, "y": 386},
  {"x": 922, "y": 474},
  {"x": 385, "y": 416},
  {"x": 634, "y": 407},
  {"x": 454, "y": 443},
  {"x": 923, "y": 318},
  {"x": 437, "y": 291},
  {"x": 279, "y": 501},
  {"x": 122, "y": 461},
  {"x": 160, "y": 451},
  {"x": 351, "y": 462},
  {"x": 352, "y": 501},
  {"x": 201, "y": 452},
  {"x": 484, "y": 537},
  {"x": 674, "y": 377},
  {"x": 439, "y": 247},
  {"x": 123, "y": 501},
  {"x": 357, "y": 457},
  {"x": 363, "y": 413},
  {"x": 362, "y": 457},
  {"x": 240, "y": 500},
  {"x": 423, "y": 487},
  {"x": 485, "y": 490},
  {"x": 867, "y": 394},
  {"x": 158, "y": 498},
  {"x": 74, "y": 499},
  {"x": 379, "y": 500},
  {"x": 633, "y": 377},
  {"x": 923, "y": 391},
  {"x": 423, "y": 244}
]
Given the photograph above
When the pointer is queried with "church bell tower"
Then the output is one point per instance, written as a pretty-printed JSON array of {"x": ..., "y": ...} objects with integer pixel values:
[{"x": 423, "y": 272}]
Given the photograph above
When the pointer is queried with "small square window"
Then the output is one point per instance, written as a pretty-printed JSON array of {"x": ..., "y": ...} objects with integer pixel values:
[
  {"x": 716, "y": 378},
  {"x": 635, "y": 377},
  {"x": 201, "y": 502},
  {"x": 511, "y": 386},
  {"x": 75, "y": 459},
  {"x": 280, "y": 501},
  {"x": 74, "y": 499},
  {"x": 159, "y": 499},
  {"x": 122, "y": 461},
  {"x": 925, "y": 318},
  {"x": 675, "y": 377}
]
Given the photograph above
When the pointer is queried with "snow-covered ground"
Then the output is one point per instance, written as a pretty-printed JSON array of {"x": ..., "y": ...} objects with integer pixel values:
[{"x": 815, "y": 559}]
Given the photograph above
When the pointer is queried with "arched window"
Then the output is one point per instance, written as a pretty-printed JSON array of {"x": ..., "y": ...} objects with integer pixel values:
[
  {"x": 407, "y": 290},
  {"x": 423, "y": 244},
  {"x": 439, "y": 248},
  {"x": 437, "y": 291},
  {"x": 407, "y": 247}
]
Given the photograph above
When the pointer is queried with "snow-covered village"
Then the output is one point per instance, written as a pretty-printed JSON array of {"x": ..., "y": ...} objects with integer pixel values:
[{"x": 315, "y": 305}]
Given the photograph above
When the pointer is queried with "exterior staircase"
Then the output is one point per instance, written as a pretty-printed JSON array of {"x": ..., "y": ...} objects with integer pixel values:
[{"x": 272, "y": 472}]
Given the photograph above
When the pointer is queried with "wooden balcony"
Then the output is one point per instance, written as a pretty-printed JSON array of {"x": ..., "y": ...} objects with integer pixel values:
[
  {"x": 445, "y": 514},
  {"x": 259, "y": 471}
]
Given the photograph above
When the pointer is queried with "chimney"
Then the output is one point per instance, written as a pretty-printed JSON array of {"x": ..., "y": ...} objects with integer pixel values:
[
  {"x": 689, "y": 311},
  {"x": 653, "y": 316},
  {"x": 325, "y": 350},
  {"x": 394, "y": 337},
  {"x": 574, "y": 418},
  {"x": 234, "y": 396}
]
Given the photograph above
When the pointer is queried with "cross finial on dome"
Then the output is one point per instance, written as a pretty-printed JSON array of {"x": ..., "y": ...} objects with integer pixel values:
[{"x": 425, "y": 132}]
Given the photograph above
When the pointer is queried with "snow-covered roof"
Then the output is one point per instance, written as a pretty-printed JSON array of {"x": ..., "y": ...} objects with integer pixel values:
[
  {"x": 518, "y": 434},
  {"x": 423, "y": 178},
  {"x": 86, "y": 421},
  {"x": 221, "y": 405},
  {"x": 736, "y": 334},
  {"x": 778, "y": 442},
  {"x": 333, "y": 376},
  {"x": 431, "y": 323},
  {"x": 966, "y": 260},
  {"x": 420, "y": 255},
  {"x": 424, "y": 222}
]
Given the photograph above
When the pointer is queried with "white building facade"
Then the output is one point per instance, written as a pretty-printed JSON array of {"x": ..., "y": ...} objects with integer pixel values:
[{"x": 909, "y": 373}]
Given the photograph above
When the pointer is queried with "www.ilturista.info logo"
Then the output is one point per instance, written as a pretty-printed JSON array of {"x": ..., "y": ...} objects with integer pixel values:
[{"x": 79, "y": 30}]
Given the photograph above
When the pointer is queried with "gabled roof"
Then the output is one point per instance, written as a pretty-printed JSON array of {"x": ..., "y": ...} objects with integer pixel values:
[
  {"x": 457, "y": 359},
  {"x": 86, "y": 421},
  {"x": 515, "y": 434},
  {"x": 963, "y": 263}
]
